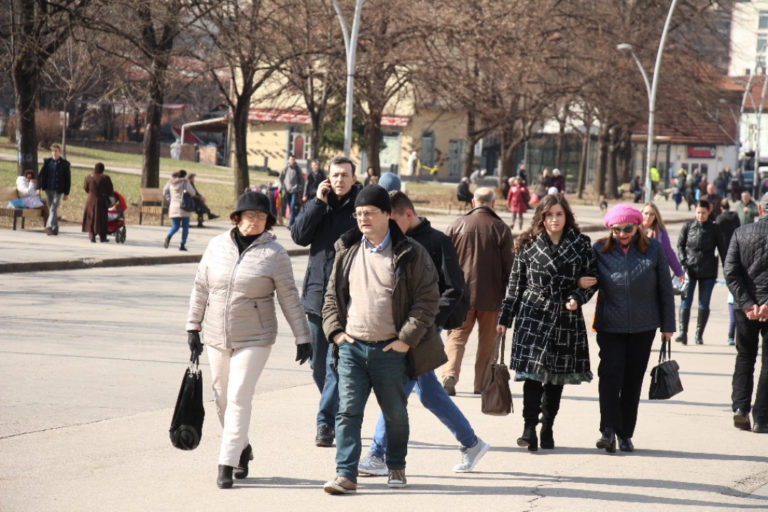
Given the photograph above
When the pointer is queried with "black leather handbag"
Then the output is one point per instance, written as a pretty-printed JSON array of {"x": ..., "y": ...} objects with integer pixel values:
[
  {"x": 187, "y": 423},
  {"x": 665, "y": 376},
  {"x": 187, "y": 202}
]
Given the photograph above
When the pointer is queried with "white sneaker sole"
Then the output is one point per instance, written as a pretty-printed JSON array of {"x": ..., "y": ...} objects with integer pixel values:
[{"x": 372, "y": 472}]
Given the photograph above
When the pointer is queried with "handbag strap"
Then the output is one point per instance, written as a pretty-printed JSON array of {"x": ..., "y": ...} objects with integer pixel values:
[
  {"x": 665, "y": 352},
  {"x": 194, "y": 361},
  {"x": 499, "y": 353}
]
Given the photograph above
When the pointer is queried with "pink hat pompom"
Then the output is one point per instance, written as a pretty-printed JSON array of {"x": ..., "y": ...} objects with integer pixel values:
[{"x": 622, "y": 214}]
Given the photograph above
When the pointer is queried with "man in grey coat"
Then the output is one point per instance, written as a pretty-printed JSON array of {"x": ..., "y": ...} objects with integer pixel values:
[{"x": 292, "y": 183}]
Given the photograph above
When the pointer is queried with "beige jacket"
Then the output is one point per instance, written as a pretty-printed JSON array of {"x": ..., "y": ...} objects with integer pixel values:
[
  {"x": 232, "y": 300},
  {"x": 176, "y": 186}
]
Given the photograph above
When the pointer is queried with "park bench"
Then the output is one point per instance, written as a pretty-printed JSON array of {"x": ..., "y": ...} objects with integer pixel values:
[
  {"x": 152, "y": 202},
  {"x": 9, "y": 194}
]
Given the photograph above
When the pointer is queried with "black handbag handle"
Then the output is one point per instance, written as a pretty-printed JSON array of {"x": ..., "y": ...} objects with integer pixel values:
[
  {"x": 194, "y": 360},
  {"x": 665, "y": 352}
]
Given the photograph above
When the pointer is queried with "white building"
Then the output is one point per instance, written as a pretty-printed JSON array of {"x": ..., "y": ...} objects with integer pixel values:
[{"x": 749, "y": 37}]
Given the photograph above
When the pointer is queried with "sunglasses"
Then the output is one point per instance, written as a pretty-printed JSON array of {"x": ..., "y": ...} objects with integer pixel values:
[{"x": 623, "y": 229}]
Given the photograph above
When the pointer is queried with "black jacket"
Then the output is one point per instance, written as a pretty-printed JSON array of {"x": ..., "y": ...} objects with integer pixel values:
[
  {"x": 635, "y": 290},
  {"x": 696, "y": 247},
  {"x": 63, "y": 176},
  {"x": 312, "y": 182},
  {"x": 454, "y": 298},
  {"x": 746, "y": 266},
  {"x": 728, "y": 221},
  {"x": 319, "y": 225}
]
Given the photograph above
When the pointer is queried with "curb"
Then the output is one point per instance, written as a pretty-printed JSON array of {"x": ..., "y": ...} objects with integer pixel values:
[{"x": 135, "y": 261}]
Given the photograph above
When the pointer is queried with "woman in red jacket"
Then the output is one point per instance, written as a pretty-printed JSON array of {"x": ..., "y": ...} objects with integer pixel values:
[{"x": 517, "y": 200}]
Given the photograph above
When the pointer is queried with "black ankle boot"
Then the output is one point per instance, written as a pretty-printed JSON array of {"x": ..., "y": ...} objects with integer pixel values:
[
  {"x": 242, "y": 467},
  {"x": 701, "y": 324},
  {"x": 547, "y": 438},
  {"x": 607, "y": 441},
  {"x": 182, "y": 247},
  {"x": 224, "y": 481},
  {"x": 529, "y": 439},
  {"x": 167, "y": 242}
]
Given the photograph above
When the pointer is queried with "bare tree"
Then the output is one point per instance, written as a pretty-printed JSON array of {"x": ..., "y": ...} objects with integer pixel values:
[{"x": 34, "y": 30}]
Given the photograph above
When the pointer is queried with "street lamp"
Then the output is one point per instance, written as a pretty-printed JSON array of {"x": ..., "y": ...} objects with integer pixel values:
[
  {"x": 651, "y": 90},
  {"x": 350, "y": 45}
]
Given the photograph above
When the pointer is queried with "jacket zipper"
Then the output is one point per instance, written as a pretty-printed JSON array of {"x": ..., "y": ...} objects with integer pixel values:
[{"x": 229, "y": 293}]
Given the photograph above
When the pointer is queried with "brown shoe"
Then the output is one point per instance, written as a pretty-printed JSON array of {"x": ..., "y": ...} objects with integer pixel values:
[
  {"x": 396, "y": 479},
  {"x": 340, "y": 485}
]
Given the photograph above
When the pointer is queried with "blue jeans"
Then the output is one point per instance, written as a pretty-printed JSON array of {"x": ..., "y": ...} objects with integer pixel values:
[
  {"x": 705, "y": 293},
  {"x": 364, "y": 366},
  {"x": 433, "y": 397},
  {"x": 294, "y": 201},
  {"x": 177, "y": 222},
  {"x": 325, "y": 377}
]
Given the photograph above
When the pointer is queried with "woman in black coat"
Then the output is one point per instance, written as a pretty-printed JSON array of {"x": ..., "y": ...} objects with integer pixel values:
[
  {"x": 544, "y": 298},
  {"x": 696, "y": 246},
  {"x": 635, "y": 298}
]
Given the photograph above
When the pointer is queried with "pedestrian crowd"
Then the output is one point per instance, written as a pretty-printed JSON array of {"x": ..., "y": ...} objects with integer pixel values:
[{"x": 381, "y": 286}]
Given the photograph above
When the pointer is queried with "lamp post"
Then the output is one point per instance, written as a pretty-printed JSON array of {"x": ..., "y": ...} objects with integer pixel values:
[
  {"x": 350, "y": 45},
  {"x": 651, "y": 90}
]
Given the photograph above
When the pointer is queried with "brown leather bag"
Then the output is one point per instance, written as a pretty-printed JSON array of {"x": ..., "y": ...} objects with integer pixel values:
[{"x": 496, "y": 397}]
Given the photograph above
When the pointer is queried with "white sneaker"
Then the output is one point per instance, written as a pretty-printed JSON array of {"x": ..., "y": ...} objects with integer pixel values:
[
  {"x": 471, "y": 456},
  {"x": 371, "y": 465}
]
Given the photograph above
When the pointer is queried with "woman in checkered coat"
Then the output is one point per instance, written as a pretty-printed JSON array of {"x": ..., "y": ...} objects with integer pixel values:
[{"x": 544, "y": 298}]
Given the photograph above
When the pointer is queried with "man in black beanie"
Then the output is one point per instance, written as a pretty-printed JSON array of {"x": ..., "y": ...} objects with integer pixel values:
[{"x": 379, "y": 311}]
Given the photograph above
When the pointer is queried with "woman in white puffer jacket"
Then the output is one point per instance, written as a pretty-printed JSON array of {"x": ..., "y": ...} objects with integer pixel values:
[{"x": 233, "y": 304}]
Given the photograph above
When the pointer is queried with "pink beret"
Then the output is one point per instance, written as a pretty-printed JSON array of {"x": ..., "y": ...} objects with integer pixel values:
[{"x": 622, "y": 214}]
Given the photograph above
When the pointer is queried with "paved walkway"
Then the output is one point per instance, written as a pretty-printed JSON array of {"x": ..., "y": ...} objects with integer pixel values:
[{"x": 30, "y": 250}]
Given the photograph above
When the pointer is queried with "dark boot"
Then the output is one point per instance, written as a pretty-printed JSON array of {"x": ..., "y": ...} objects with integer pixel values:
[
  {"x": 607, "y": 441},
  {"x": 529, "y": 438},
  {"x": 701, "y": 324},
  {"x": 550, "y": 405},
  {"x": 242, "y": 467},
  {"x": 167, "y": 242},
  {"x": 224, "y": 481},
  {"x": 182, "y": 247},
  {"x": 684, "y": 318}
]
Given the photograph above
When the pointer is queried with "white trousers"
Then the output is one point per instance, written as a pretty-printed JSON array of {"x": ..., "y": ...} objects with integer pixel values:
[{"x": 234, "y": 374}]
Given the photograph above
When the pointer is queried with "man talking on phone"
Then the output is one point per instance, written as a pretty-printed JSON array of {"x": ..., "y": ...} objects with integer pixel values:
[{"x": 324, "y": 218}]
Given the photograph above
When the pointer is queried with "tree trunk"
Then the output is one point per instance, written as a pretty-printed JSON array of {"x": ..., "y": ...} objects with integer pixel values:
[
  {"x": 584, "y": 158},
  {"x": 240, "y": 131},
  {"x": 469, "y": 149},
  {"x": 150, "y": 171},
  {"x": 25, "y": 81},
  {"x": 373, "y": 141},
  {"x": 602, "y": 163},
  {"x": 315, "y": 118},
  {"x": 612, "y": 183},
  {"x": 559, "y": 146},
  {"x": 625, "y": 156}
]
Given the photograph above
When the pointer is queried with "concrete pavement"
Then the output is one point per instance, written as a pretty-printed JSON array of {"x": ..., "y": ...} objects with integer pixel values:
[{"x": 92, "y": 359}]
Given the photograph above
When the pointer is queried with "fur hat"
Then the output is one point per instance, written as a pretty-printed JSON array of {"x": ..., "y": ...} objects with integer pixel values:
[
  {"x": 622, "y": 214},
  {"x": 374, "y": 195}
]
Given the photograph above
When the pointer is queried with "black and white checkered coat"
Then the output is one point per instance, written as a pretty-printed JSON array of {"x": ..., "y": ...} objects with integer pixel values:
[{"x": 550, "y": 342}]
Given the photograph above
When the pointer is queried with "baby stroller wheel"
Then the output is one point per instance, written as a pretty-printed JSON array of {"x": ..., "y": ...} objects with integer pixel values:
[{"x": 120, "y": 235}]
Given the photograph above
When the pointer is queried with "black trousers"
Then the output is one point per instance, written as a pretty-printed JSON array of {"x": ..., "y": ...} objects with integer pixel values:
[
  {"x": 623, "y": 362},
  {"x": 747, "y": 341},
  {"x": 540, "y": 398}
]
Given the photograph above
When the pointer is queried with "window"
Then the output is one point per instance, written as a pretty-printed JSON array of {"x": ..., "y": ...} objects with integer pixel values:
[
  {"x": 762, "y": 23},
  {"x": 762, "y": 43},
  {"x": 760, "y": 62}
]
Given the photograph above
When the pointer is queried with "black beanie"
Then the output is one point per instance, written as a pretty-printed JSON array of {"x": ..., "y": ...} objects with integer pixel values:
[{"x": 374, "y": 195}]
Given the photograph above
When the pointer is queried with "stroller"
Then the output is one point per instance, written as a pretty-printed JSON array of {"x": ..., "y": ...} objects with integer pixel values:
[{"x": 116, "y": 217}]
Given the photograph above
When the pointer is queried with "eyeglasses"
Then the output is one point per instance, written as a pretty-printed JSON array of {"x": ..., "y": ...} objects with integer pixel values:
[
  {"x": 365, "y": 214},
  {"x": 629, "y": 228},
  {"x": 255, "y": 215}
]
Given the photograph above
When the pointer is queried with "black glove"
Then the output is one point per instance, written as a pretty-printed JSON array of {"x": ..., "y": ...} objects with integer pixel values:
[
  {"x": 303, "y": 352},
  {"x": 195, "y": 345}
]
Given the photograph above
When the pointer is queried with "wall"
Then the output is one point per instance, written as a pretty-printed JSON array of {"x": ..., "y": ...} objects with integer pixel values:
[
  {"x": 268, "y": 139},
  {"x": 446, "y": 125},
  {"x": 744, "y": 27}
]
